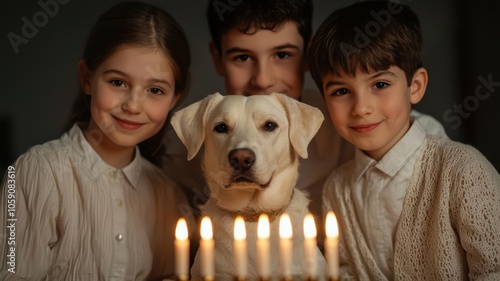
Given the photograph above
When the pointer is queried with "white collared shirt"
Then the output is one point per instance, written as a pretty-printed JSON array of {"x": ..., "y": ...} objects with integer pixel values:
[
  {"x": 79, "y": 218},
  {"x": 378, "y": 192}
]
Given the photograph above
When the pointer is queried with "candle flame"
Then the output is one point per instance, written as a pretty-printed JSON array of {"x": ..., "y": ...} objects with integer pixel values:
[
  {"x": 285, "y": 226},
  {"x": 309, "y": 226},
  {"x": 206, "y": 228},
  {"x": 239, "y": 228},
  {"x": 332, "y": 229},
  {"x": 263, "y": 231},
  {"x": 181, "y": 231}
]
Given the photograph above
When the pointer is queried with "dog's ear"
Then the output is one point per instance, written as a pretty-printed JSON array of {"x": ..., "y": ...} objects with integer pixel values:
[
  {"x": 305, "y": 121},
  {"x": 189, "y": 123}
]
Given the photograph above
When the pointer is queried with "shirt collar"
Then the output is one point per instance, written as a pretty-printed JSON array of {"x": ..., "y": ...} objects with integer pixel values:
[
  {"x": 362, "y": 163},
  {"x": 95, "y": 166},
  {"x": 133, "y": 170},
  {"x": 395, "y": 158}
]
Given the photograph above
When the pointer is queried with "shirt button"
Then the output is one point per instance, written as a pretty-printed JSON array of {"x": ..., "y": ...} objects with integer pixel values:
[
  {"x": 119, "y": 237},
  {"x": 118, "y": 202}
]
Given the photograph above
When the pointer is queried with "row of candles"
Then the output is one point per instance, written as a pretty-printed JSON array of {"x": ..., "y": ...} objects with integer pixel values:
[{"x": 263, "y": 248}]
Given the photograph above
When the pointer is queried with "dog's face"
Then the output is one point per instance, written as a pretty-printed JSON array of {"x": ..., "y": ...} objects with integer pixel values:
[{"x": 252, "y": 146}]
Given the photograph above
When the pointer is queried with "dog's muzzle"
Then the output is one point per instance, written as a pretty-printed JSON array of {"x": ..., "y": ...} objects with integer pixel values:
[{"x": 241, "y": 160}]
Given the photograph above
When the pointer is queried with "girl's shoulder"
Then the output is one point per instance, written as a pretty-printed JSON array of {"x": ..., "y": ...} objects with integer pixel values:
[
  {"x": 53, "y": 157},
  {"x": 40, "y": 169}
]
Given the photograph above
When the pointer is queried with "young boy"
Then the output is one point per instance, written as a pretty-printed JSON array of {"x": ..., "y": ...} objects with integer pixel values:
[
  {"x": 409, "y": 205},
  {"x": 259, "y": 47}
]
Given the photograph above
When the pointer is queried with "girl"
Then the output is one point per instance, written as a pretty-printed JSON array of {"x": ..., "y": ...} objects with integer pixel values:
[{"x": 91, "y": 205}]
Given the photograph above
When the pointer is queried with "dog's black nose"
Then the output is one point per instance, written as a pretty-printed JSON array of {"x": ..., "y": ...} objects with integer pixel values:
[{"x": 241, "y": 159}]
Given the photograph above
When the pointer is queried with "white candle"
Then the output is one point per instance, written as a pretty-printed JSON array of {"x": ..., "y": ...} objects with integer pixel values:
[
  {"x": 181, "y": 250},
  {"x": 286, "y": 246},
  {"x": 207, "y": 249},
  {"x": 332, "y": 245},
  {"x": 263, "y": 254},
  {"x": 310, "y": 247},
  {"x": 240, "y": 249}
]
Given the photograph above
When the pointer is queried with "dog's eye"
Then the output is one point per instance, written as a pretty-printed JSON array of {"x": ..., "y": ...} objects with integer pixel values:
[
  {"x": 270, "y": 126},
  {"x": 221, "y": 128}
]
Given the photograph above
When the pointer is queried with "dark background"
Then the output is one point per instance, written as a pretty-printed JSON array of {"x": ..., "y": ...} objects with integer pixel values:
[{"x": 39, "y": 82}]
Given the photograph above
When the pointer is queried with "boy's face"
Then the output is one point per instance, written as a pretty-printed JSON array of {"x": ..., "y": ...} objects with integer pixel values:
[
  {"x": 372, "y": 110},
  {"x": 262, "y": 62}
]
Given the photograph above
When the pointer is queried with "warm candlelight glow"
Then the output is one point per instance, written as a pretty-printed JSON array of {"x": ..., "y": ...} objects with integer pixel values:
[
  {"x": 309, "y": 226},
  {"x": 206, "y": 228},
  {"x": 239, "y": 229},
  {"x": 332, "y": 229},
  {"x": 263, "y": 257},
  {"x": 181, "y": 250},
  {"x": 240, "y": 248},
  {"x": 263, "y": 227},
  {"x": 181, "y": 231},
  {"x": 286, "y": 252},
  {"x": 311, "y": 263},
  {"x": 285, "y": 226},
  {"x": 207, "y": 248},
  {"x": 331, "y": 245}
]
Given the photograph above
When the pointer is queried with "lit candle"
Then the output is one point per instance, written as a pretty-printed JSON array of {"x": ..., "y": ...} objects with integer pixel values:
[
  {"x": 181, "y": 250},
  {"x": 310, "y": 247},
  {"x": 207, "y": 249},
  {"x": 332, "y": 246},
  {"x": 286, "y": 247},
  {"x": 263, "y": 255},
  {"x": 240, "y": 249}
]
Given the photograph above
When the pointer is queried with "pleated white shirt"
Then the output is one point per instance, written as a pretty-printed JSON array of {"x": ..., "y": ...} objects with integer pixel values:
[{"x": 78, "y": 218}]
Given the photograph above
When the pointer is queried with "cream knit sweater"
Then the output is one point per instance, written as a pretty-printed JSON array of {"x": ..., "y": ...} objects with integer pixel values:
[{"x": 449, "y": 228}]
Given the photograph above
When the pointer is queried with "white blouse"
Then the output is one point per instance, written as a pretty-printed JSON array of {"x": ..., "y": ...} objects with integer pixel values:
[{"x": 77, "y": 218}]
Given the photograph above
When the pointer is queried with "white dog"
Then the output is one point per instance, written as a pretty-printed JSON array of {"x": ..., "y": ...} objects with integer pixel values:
[{"x": 251, "y": 158}]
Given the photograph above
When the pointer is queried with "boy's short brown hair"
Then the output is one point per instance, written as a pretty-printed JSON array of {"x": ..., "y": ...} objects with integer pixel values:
[
  {"x": 367, "y": 36},
  {"x": 224, "y": 15}
]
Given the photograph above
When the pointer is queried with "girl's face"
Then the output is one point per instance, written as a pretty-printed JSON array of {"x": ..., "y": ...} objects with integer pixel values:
[
  {"x": 132, "y": 93},
  {"x": 372, "y": 110}
]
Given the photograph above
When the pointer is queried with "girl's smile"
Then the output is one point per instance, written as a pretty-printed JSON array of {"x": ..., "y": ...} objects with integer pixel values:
[{"x": 127, "y": 124}]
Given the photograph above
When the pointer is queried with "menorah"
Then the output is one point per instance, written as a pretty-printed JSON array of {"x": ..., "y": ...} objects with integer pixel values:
[{"x": 207, "y": 247}]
